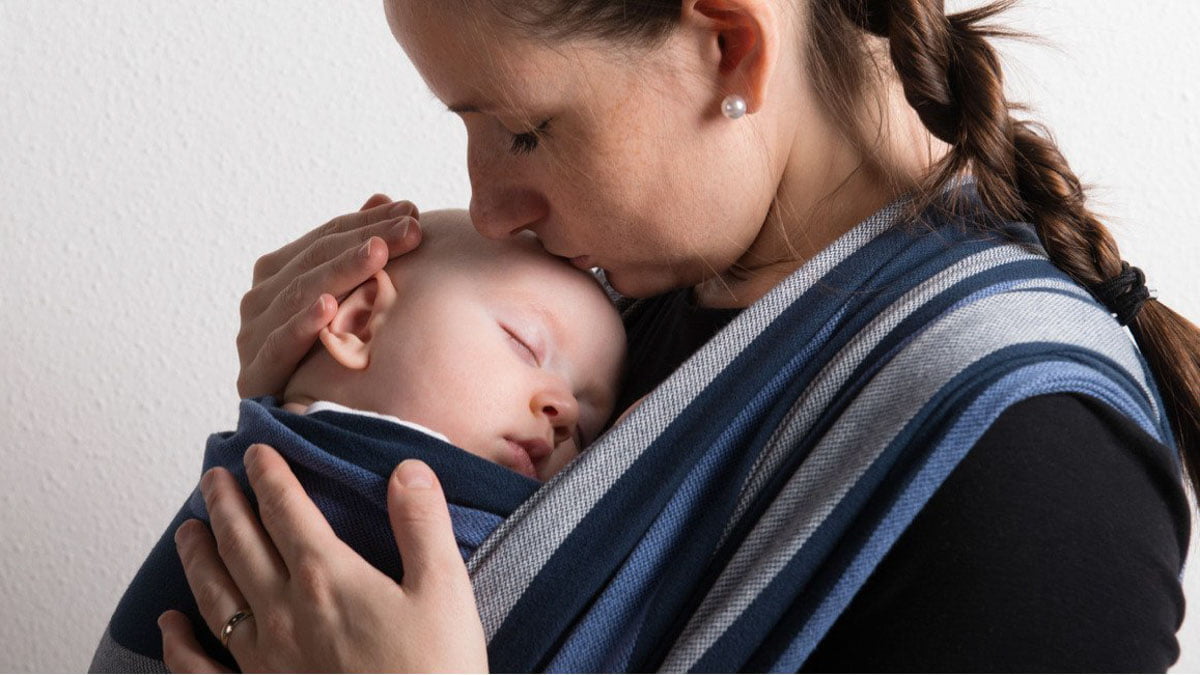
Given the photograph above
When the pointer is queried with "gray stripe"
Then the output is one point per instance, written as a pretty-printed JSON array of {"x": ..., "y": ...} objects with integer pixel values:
[
  {"x": 111, "y": 657},
  {"x": 509, "y": 559},
  {"x": 816, "y": 397},
  {"x": 872, "y": 420}
]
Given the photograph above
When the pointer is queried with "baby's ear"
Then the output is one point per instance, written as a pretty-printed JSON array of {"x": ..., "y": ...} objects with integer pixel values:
[{"x": 348, "y": 337}]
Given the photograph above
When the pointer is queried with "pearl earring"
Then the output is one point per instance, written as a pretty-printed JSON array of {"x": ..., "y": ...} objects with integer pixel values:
[{"x": 733, "y": 106}]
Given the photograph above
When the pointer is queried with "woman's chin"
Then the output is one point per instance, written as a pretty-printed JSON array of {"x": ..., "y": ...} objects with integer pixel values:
[
  {"x": 633, "y": 285},
  {"x": 646, "y": 283}
]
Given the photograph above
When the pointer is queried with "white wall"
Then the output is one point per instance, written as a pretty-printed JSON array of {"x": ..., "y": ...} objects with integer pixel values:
[{"x": 151, "y": 151}]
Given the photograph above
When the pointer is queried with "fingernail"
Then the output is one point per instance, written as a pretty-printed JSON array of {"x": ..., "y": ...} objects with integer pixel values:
[
  {"x": 250, "y": 455},
  {"x": 401, "y": 228},
  {"x": 414, "y": 474},
  {"x": 159, "y": 621},
  {"x": 206, "y": 482},
  {"x": 318, "y": 307},
  {"x": 400, "y": 209},
  {"x": 365, "y": 251}
]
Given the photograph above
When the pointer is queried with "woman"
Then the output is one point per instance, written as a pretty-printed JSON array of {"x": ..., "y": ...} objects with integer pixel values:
[{"x": 715, "y": 155}]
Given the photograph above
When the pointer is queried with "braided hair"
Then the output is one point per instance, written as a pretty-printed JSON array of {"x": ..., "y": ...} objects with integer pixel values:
[{"x": 952, "y": 77}]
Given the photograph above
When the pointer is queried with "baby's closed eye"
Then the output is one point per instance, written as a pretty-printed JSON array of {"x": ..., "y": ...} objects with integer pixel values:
[{"x": 522, "y": 347}]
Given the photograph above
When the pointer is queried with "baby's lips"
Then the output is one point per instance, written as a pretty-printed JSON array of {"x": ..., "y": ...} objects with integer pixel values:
[
  {"x": 520, "y": 460},
  {"x": 537, "y": 448}
]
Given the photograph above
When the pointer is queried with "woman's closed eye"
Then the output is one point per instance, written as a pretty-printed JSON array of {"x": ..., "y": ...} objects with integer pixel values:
[{"x": 528, "y": 142}]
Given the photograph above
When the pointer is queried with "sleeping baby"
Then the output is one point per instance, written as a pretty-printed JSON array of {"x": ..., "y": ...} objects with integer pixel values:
[
  {"x": 491, "y": 361},
  {"x": 510, "y": 353}
]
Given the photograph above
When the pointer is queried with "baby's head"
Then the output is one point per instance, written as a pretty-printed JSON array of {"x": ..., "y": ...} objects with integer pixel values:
[{"x": 510, "y": 352}]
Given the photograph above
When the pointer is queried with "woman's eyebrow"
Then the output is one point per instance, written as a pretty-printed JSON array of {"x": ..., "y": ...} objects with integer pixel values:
[{"x": 460, "y": 108}]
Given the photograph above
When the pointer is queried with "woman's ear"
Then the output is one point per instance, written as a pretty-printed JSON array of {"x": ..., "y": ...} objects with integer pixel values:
[
  {"x": 746, "y": 33},
  {"x": 349, "y": 335}
]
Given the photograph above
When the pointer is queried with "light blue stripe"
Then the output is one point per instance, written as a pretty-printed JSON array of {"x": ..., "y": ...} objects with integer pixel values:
[
  {"x": 1034, "y": 380},
  {"x": 604, "y": 639}
]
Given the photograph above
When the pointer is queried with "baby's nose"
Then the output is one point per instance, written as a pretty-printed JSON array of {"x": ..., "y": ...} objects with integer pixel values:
[{"x": 560, "y": 408}]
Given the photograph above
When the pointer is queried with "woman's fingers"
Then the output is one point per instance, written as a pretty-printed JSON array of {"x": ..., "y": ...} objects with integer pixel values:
[
  {"x": 274, "y": 361},
  {"x": 181, "y": 651},
  {"x": 375, "y": 200},
  {"x": 271, "y": 263},
  {"x": 285, "y": 308},
  {"x": 341, "y": 261},
  {"x": 297, "y": 527},
  {"x": 435, "y": 577},
  {"x": 247, "y": 552},
  {"x": 421, "y": 525},
  {"x": 216, "y": 595},
  {"x": 292, "y": 283},
  {"x": 275, "y": 337}
]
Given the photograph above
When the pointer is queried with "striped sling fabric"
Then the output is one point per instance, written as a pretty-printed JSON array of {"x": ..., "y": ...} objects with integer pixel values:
[{"x": 727, "y": 522}]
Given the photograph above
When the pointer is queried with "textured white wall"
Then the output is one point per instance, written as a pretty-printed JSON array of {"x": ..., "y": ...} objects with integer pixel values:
[{"x": 151, "y": 151}]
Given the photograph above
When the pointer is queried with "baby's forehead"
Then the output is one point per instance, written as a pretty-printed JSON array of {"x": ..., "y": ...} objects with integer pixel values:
[
  {"x": 450, "y": 246},
  {"x": 450, "y": 241},
  {"x": 450, "y": 233}
]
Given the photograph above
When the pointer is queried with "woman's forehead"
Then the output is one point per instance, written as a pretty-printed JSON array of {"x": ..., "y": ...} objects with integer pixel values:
[
  {"x": 458, "y": 53},
  {"x": 475, "y": 62}
]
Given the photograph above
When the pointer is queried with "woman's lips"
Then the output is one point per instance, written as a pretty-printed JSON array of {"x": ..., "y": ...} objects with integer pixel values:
[
  {"x": 582, "y": 262},
  {"x": 520, "y": 461}
]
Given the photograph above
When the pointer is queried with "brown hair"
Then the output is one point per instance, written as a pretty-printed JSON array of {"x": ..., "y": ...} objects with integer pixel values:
[{"x": 952, "y": 77}]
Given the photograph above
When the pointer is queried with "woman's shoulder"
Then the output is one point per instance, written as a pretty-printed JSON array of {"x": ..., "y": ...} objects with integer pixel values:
[
  {"x": 1072, "y": 466},
  {"x": 1057, "y": 543}
]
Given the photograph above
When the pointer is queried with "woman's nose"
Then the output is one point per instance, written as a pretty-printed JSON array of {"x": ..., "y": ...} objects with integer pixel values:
[
  {"x": 502, "y": 212},
  {"x": 503, "y": 200},
  {"x": 559, "y": 406}
]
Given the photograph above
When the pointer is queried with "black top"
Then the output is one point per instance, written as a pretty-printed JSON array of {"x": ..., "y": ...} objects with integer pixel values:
[{"x": 1055, "y": 545}]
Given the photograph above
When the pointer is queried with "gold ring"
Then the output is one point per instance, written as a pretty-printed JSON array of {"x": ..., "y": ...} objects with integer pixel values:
[{"x": 238, "y": 617}]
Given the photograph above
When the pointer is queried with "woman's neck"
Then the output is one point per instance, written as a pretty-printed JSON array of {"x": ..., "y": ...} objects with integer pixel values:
[{"x": 816, "y": 203}]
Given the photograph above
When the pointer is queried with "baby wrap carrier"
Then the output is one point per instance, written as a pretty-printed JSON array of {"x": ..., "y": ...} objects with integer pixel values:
[
  {"x": 343, "y": 460},
  {"x": 731, "y": 518}
]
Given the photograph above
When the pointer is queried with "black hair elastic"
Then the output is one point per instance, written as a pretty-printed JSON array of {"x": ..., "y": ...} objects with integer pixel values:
[{"x": 1123, "y": 294}]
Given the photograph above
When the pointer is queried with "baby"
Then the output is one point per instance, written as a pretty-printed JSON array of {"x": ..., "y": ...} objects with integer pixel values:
[
  {"x": 492, "y": 347},
  {"x": 508, "y": 352}
]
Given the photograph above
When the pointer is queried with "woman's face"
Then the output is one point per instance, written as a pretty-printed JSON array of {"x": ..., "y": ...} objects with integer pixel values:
[{"x": 620, "y": 159}]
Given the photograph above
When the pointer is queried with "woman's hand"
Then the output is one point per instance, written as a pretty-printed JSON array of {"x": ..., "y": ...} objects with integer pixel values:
[
  {"x": 317, "y": 605},
  {"x": 295, "y": 289}
]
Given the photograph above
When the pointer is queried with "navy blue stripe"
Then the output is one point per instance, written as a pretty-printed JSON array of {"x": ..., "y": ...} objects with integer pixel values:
[
  {"x": 772, "y": 620},
  {"x": 379, "y": 445},
  {"x": 353, "y": 505},
  {"x": 599, "y": 544},
  {"x": 159, "y": 585},
  {"x": 645, "y": 487},
  {"x": 553, "y": 601},
  {"x": 684, "y": 589}
]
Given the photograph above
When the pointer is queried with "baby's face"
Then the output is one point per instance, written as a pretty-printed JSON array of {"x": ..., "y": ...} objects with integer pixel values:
[{"x": 511, "y": 353}]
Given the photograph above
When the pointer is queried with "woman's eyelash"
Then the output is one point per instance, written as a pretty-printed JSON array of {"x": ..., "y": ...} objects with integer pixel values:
[{"x": 528, "y": 142}]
